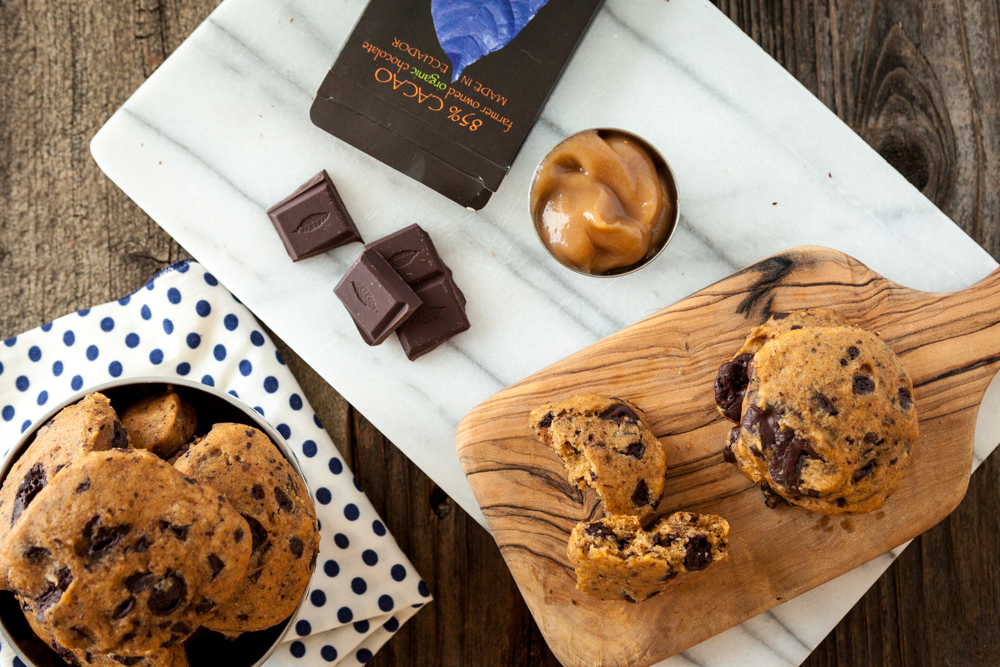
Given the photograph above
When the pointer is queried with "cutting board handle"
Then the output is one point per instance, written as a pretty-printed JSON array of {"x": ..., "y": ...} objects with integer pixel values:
[{"x": 972, "y": 317}]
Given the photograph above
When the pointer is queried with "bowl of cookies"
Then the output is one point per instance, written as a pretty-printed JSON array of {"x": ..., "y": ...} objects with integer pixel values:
[{"x": 152, "y": 522}]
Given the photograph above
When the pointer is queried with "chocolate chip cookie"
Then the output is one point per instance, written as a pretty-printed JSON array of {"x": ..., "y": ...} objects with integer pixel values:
[
  {"x": 731, "y": 381},
  {"x": 121, "y": 553},
  {"x": 606, "y": 444},
  {"x": 89, "y": 425},
  {"x": 616, "y": 559},
  {"x": 828, "y": 420},
  {"x": 175, "y": 656},
  {"x": 160, "y": 424},
  {"x": 245, "y": 466}
]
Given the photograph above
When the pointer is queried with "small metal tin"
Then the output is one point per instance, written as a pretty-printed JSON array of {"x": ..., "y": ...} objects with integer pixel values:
[
  {"x": 205, "y": 648},
  {"x": 662, "y": 166}
]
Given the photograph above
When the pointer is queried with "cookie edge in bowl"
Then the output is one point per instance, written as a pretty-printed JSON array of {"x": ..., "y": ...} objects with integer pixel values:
[{"x": 158, "y": 383}]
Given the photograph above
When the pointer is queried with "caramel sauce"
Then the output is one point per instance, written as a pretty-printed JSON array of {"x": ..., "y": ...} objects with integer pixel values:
[{"x": 600, "y": 204}]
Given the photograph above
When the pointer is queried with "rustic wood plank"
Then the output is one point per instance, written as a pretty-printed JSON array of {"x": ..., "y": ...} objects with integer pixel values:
[
  {"x": 71, "y": 238},
  {"x": 949, "y": 344}
]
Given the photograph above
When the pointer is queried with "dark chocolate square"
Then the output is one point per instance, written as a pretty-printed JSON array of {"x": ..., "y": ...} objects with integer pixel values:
[
  {"x": 411, "y": 252},
  {"x": 313, "y": 219},
  {"x": 441, "y": 316},
  {"x": 376, "y": 297}
]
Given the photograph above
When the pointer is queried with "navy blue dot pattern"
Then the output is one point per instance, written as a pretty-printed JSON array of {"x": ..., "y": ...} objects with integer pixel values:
[{"x": 183, "y": 322}]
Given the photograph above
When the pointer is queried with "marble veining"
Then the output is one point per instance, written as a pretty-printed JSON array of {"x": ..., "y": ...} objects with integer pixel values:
[{"x": 221, "y": 131}]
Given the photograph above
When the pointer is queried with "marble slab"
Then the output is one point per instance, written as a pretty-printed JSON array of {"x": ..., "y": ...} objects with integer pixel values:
[{"x": 221, "y": 131}]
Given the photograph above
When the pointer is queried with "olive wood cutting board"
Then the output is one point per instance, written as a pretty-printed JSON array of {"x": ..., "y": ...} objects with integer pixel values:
[{"x": 667, "y": 364}]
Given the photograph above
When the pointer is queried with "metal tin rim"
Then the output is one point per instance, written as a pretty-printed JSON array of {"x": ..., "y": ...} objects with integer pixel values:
[
  {"x": 279, "y": 442},
  {"x": 657, "y": 156}
]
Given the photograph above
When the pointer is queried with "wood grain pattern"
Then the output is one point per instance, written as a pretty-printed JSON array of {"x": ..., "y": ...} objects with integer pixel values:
[
  {"x": 666, "y": 364},
  {"x": 939, "y": 603},
  {"x": 69, "y": 239}
]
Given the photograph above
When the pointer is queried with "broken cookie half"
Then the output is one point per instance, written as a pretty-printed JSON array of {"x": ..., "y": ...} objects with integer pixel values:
[
  {"x": 615, "y": 559},
  {"x": 606, "y": 444}
]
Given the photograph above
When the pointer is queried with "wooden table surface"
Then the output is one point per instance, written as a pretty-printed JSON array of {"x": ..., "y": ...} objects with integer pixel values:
[{"x": 919, "y": 80}]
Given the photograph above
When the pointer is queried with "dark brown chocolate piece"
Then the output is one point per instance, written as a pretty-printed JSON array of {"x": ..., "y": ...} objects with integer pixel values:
[
  {"x": 699, "y": 553},
  {"x": 598, "y": 529},
  {"x": 378, "y": 300},
  {"x": 905, "y": 398},
  {"x": 731, "y": 385},
  {"x": 33, "y": 482},
  {"x": 635, "y": 450},
  {"x": 441, "y": 316},
  {"x": 863, "y": 384},
  {"x": 727, "y": 451},
  {"x": 411, "y": 253},
  {"x": 619, "y": 413},
  {"x": 640, "y": 496},
  {"x": 313, "y": 219},
  {"x": 785, "y": 465}
]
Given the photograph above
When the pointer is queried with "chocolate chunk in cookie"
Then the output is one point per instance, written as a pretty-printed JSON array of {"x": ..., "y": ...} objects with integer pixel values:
[{"x": 731, "y": 384}]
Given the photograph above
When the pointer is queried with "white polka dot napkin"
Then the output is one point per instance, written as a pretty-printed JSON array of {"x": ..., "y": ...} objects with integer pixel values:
[{"x": 182, "y": 323}]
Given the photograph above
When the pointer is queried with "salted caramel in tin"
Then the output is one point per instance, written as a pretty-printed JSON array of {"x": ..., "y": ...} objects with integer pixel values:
[{"x": 603, "y": 202}]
